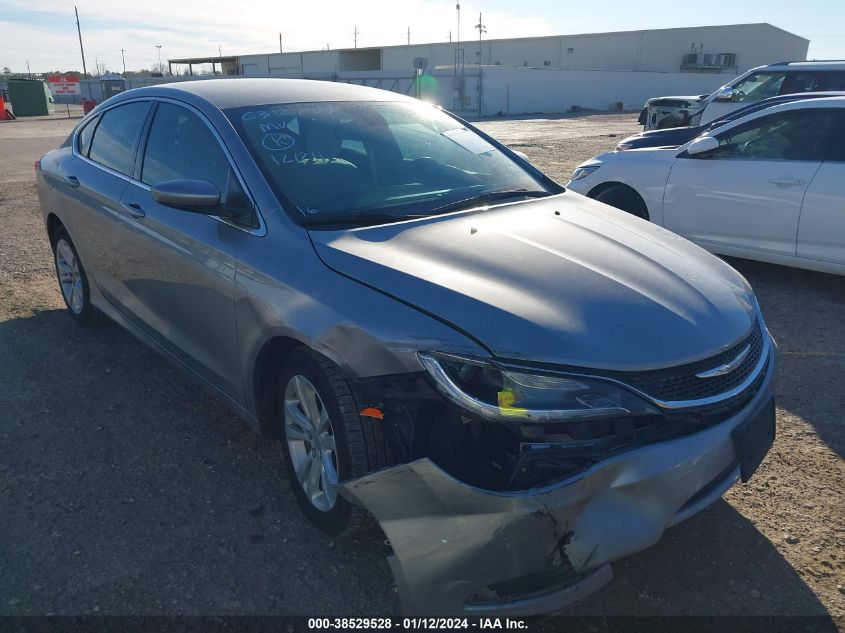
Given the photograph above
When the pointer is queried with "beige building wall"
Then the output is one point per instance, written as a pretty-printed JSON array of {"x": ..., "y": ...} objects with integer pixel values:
[{"x": 659, "y": 50}]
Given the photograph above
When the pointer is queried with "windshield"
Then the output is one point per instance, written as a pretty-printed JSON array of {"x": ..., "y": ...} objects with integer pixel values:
[
  {"x": 360, "y": 162},
  {"x": 757, "y": 86}
]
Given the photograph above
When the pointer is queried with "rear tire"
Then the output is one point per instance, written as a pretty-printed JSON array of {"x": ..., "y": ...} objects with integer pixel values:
[
  {"x": 73, "y": 281},
  {"x": 341, "y": 446},
  {"x": 623, "y": 198}
]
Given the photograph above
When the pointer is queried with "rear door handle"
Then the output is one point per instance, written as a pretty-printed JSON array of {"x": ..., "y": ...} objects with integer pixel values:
[
  {"x": 786, "y": 182},
  {"x": 72, "y": 181},
  {"x": 135, "y": 210}
]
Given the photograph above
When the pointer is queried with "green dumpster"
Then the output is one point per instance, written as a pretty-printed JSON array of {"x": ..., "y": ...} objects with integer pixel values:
[{"x": 30, "y": 97}]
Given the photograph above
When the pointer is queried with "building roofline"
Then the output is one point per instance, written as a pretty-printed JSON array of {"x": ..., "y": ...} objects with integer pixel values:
[{"x": 529, "y": 37}]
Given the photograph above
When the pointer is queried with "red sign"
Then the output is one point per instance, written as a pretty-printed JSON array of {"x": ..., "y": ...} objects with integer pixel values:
[{"x": 64, "y": 84}]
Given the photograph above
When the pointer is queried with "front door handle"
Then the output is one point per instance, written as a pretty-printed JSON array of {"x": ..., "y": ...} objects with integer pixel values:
[
  {"x": 72, "y": 181},
  {"x": 786, "y": 182},
  {"x": 136, "y": 212}
]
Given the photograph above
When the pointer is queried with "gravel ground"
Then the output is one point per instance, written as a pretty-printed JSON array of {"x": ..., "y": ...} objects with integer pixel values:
[{"x": 125, "y": 489}]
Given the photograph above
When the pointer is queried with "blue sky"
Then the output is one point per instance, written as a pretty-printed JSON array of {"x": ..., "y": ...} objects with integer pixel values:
[{"x": 46, "y": 36}]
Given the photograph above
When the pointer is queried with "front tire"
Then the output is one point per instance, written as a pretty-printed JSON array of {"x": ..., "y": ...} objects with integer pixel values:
[
  {"x": 325, "y": 441},
  {"x": 73, "y": 282},
  {"x": 623, "y": 198}
]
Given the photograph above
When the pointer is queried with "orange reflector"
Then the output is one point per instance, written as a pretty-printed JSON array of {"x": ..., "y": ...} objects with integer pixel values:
[{"x": 372, "y": 412}]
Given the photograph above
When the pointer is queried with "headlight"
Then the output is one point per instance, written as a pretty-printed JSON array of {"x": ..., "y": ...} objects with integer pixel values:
[
  {"x": 503, "y": 394},
  {"x": 584, "y": 170}
]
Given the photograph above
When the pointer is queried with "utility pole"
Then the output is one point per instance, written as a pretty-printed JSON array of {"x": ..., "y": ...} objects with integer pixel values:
[
  {"x": 158, "y": 46},
  {"x": 28, "y": 71},
  {"x": 355, "y": 35},
  {"x": 458, "y": 8},
  {"x": 123, "y": 58},
  {"x": 409, "y": 36},
  {"x": 280, "y": 42},
  {"x": 81, "y": 50},
  {"x": 481, "y": 30}
]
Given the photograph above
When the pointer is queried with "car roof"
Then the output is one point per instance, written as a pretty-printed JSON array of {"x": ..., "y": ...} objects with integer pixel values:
[
  {"x": 830, "y": 64},
  {"x": 248, "y": 91}
]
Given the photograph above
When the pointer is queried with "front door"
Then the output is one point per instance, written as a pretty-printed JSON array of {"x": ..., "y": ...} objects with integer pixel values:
[
  {"x": 183, "y": 263},
  {"x": 747, "y": 193}
]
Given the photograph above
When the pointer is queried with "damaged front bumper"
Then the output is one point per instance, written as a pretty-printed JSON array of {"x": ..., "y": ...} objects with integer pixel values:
[
  {"x": 458, "y": 549},
  {"x": 659, "y": 114}
]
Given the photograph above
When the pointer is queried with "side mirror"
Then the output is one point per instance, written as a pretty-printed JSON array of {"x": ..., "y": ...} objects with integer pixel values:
[
  {"x": 701, "y": 145},
  {"x": 522, "y": 155},
  {"x": 725, "y": 94},
  {"x": 197, "y": 196}
]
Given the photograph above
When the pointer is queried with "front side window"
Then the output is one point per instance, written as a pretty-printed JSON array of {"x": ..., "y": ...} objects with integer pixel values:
[
  {"x": 337, "y": 161},
  {"x": 181, "y": 146},
  {"x": 757, "y": 86},
  {"x": 791, "y": 135},
  {"x": 116, "y": 136}
]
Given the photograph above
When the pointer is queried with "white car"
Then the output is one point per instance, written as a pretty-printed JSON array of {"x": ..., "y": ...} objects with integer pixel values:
[
  {"x": 769, "y": 186},
  {"x": 758, "y": 83}
]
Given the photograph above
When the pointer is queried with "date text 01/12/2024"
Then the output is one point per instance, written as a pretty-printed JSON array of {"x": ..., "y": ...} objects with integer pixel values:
[{"x": 513, "y": 624}]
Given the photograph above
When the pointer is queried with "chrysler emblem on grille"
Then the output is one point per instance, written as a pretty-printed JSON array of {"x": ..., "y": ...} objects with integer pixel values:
[{"x": 727, "y": 368}]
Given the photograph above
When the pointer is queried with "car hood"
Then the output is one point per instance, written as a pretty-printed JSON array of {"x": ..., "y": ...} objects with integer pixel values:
[
  {"x": 691, "y": 99},
  {"x": 561, "y": 280}
]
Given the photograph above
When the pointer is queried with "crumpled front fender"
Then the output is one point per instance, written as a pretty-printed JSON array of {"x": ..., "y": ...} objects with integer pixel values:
[{"x": 458, "y": 549}]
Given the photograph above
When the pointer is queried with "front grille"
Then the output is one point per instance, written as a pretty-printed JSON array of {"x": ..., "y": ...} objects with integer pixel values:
[{"x": 680, "y": 383}]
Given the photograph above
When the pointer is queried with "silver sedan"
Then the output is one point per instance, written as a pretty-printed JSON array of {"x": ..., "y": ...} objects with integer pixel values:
[{"x": 519, "y": 384}]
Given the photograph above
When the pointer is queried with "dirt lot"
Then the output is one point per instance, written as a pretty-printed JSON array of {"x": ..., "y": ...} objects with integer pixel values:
[{"x": 125, "y": 489}]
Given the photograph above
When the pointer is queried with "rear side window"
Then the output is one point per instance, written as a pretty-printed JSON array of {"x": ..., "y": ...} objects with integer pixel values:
[
  {"x": 816, "y": 81},
  {"x": 83, "y": 138},
  {"x": 181, "y": 145},
  {"x": 116, "y": 137},
  {"x": 836, "y": 152},
  {"x": 792, "y": 135}
]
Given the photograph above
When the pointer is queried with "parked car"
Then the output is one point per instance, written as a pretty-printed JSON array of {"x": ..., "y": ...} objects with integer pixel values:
[
  {"x": 766, "y": 186},
  {"x": 676, "y": 136},
  {"x": 500, "y": 371},
  {"x": 755, "y": 85}
]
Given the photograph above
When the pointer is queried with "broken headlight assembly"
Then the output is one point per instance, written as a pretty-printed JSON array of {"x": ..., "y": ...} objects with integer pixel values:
[{"x": 506, "y": 394}]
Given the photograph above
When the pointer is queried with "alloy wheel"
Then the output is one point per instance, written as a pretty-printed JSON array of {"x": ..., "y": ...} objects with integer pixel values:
[
  {"x": 311, "y": 442},
  {"x": 70, "y": 276}
]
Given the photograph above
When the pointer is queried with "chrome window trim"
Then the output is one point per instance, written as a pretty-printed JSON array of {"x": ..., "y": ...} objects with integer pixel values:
[
  {"x": 674, "y": 405},
  {"x": 259, "y": 231}
]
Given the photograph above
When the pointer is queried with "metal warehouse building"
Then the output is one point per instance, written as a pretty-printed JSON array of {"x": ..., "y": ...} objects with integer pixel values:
[{"x": 540, "y": 74}]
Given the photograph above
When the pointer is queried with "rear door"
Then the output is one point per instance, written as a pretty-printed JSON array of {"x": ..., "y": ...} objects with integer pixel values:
[
  {"x": 182, "y": 265},
  {"x": 821, "y": 231},
  {"x": 105, "y": 158},
  {"x": 747, "y": 193}
]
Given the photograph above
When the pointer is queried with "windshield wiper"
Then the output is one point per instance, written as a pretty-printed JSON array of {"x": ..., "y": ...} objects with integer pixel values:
[
  {"x": 369, "y": 218},
  {"x": 362, "y": 218},
  {"x": 490, "y": 196}
]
